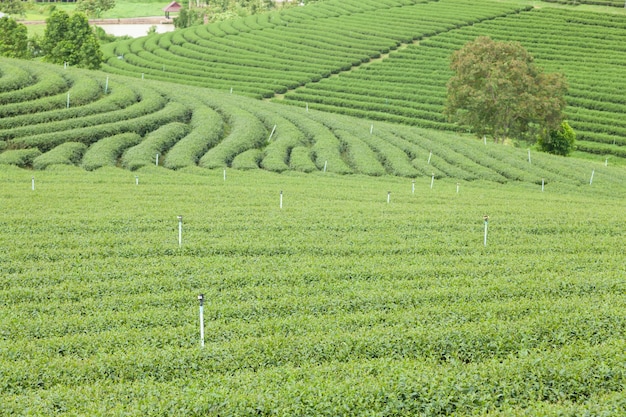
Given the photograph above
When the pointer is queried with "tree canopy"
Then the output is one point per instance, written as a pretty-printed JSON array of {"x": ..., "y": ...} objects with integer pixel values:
[
  {"x": 497, "y": 90},
  {"x": 13, "y": 39},
  {"x": 558, "y": 142},
  {"x": 95, "y": 8},
  {"x": 12, "y": 7},
  {"x": 72, "y": 40}
]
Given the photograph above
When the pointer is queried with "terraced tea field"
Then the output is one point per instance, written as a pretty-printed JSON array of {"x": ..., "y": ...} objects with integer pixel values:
[
  {"x": 345, "y": 261},
  {"x": 392, "y": 58},
  {"x": 340, "y": 303},
  {"x": 54, "y": 116}
]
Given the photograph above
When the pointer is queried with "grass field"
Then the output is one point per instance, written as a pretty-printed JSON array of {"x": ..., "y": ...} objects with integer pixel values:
[{"x": 340, "y": 303}]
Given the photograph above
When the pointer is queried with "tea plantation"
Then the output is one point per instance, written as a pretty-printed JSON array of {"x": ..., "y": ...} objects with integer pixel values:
[
  {"x": 360, "y": 296},
  {"x": 346, "y": 262}
]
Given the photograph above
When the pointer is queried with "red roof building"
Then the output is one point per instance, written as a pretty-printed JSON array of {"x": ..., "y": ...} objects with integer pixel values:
[{"x": 173, "y": 7}]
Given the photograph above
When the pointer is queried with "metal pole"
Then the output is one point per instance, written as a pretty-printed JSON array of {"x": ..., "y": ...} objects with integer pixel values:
[
  {"x": 106, "y": 86},
  {"x": 325, "y": 165},
  {"x": 272, "y": 134},
  {"x": 281, "y": 199},
  {"x": 430, "y": 155},
  {"x": 157, "y": 160},
  {"x": 180, "y": 231},
  {"x": 201, "y": 299},
  {"x": 486, "y": 218},
  {"x": 136, "y": 180},
  {"x": 413, "y": 187},
  {"x": 32, "y": 184},
  {"x": 457, "y": 187},
  {"x": 529, "y": 156},
  {"x": 542, "y": 184},
  {"x": 432, "y": 181},
  {"x": 591, "y": 179},
  {"x": 388, "y": 196}
]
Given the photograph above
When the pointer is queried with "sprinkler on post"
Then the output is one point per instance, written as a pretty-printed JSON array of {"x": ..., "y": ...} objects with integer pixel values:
[
  {"x": 486, "y": 219},
  {"x": 201, "y": 299}
]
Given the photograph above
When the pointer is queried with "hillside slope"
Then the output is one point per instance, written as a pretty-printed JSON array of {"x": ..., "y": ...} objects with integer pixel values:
[
  {"x": 53, "y": 116},
  {"x": 392, "y": 58}
]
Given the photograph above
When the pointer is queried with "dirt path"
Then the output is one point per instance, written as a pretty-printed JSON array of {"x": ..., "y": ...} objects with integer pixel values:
[{"x": 150, "y": 20}]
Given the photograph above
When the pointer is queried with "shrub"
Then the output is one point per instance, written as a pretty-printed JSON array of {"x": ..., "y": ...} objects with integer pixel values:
[
  {"x": 558, "y": 142},
  {"x": 68, "y": 153}
]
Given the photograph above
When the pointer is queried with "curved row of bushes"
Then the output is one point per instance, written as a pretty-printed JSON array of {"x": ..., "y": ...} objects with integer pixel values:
[{"x": 134, "y": 120}]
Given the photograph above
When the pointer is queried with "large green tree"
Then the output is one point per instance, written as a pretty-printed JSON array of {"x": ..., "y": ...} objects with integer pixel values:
[
  {"x": 497, "y": 90},
  {"x": 95, "y": 8},
  {"x": 13, "y": 39},
  {"x": 72, "y": 40},
  {"x": 12, "y": 7}
]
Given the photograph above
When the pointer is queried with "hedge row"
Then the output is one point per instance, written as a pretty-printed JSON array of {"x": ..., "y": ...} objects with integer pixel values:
[
  {"x": 207, "y": 128},
  {"x": 155, "y": 142},
  {"x": 68, "y": 153},
  {"x": 247, "y": 132},
  {"x": 150, "y": 102},
  {"x": 146, "y": 123},
  {"x": 108, "y": 150}
]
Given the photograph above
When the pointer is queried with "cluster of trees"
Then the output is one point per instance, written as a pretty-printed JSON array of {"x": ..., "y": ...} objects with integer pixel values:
[
  {"x": 498, "y": 91},
  {"x": 67, "y": 39},
  {"x": 198, "y": 11}
]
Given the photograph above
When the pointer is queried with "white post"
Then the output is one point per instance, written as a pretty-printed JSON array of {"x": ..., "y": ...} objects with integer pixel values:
[
  {"x": 485, "y": 139},
  {"x": 224, "y": 174},
  {"x": 542, "y": 184},
  {"x": 65, "y": 65},
  {"x": 180, "y": 231},
  {"x": 372, "y": 128},
  {"x": 591, "y": 179},
  {"x": 106, "y": 86},
  {"x": 529, "y": 156},
  {"x": 68, "y": 101},
  {"x": 201, "y": 299},
  {"x": 325, "y": 165},
  {"x": 281, "y": 199},
  {"x": 307, "y": 107},
  {"x": 272, "y": 133},
  {"x": 231, "y": 90},
  {"x": 136, "y": 179},
  {"x": 432, "y": 181},
  {"x": 486, "y": 218},
  {"x": 457, "y": 187},
  {"x": 413, "y": 187},
  {"x": 388, "y": 196},
  {"x": 142, "y": 75},
  {"x": 32, "y": 184},
  {"x": 430, "y": 155},
  {"x": 606, "y": 162},
  {"x": 156, "y": 162}
]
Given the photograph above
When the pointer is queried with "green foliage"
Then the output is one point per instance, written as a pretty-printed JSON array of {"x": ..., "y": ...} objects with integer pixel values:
[
  {"x": 558, "y": 142},
  {"x": 338, "y": 304},
  {"x": 107, "y": 151},
  {"x": 19, "y": 157},
  {"x": 498, "y": 91},
  {"x": 94, "y": 8},
  {"x": 156, "y": 142},
  {"x": 12, "y": 7},
  {"x": 188, "y": 17},
  {"x": 71, "y": 39},
  {"x": 13, "y": 39},
  {"x": 68, "y": 153}
]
